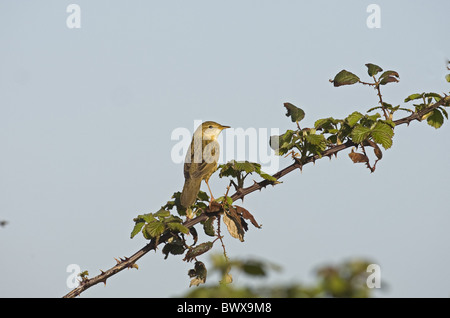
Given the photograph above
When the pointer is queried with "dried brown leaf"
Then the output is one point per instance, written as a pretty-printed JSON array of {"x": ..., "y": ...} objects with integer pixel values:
[
  {"x": 358, "y": 157},
  {"x": 233, "y": 222},
  {"x": 247, "y": 215}
]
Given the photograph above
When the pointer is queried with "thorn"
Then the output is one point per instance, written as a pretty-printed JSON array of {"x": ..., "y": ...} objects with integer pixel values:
[{"x": 118, "y": 262}]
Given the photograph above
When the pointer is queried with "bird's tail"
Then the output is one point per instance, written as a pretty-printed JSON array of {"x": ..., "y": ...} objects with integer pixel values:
[{"x": 190, "y": 191}]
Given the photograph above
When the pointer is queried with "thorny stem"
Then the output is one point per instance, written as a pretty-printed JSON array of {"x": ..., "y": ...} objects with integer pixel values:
[
  {"x": 377, "y": 87},
  {"x": 239, "y": 194},
  {"x": 219, "y": 236},
  {"x": 372, "y": 169},
  {"x": 366, "y": 83}
]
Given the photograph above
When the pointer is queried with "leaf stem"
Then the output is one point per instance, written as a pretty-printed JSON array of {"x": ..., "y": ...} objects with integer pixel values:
[
  {"x": 377, "y": 87},
  {"x": 219, "y": 236}
]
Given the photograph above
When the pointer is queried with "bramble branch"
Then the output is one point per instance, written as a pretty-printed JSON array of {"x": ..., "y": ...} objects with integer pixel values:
[{"x": 241, "y": 192}]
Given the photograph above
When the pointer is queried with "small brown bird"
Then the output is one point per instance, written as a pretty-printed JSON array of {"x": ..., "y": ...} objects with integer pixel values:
[{"x": 201, "y": 160}]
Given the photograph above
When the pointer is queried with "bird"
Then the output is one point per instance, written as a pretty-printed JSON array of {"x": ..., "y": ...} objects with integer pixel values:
[{"x": 201, "y": 161}]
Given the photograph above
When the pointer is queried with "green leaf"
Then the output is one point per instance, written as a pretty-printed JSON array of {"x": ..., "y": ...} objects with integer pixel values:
[
  {"x": 84, "y": 274},
  {"x": 175, "y": 226},
  {"x": 447, "y": 78},
  {"x": 325, "y": 123},
  {"x": 436, "y": 96},
  {"x": 208, "y": 227},
  {"x": 175, "y": 247},
  {"x": 413, "y": 97},
  {"x": 137, "y": 228},
  {"x": 282, "y": 141},
  {"x": 268, "y": 177},
  {"x": 233, "y": 168},
  {"x": 202, "y": 196},
  {"x": 154, "y": 229},
  {"x": 161, "y": 214},
  {"x": 221, "y": 200},
  {"x": 246, "y": 166},
  {"x": 373, "y": 108},
  {"x": 176, "y": 203},
  {"x": 236, "y": 168},
  {"x": 316, "y": 140},
  {"x": 198, "y": 250},
  {"x": 444, "y": 112},
  {"x": 435, "y": 119},
  {"x": 373, "y": 117},
  {"x": 388, "y": 77},
  {"x": 172, "y": 218},
  {"x": 388, "y": 122},
  {"x": 382, "y": 134},
  {"x": 344, "y": 78},
  {"x": 333, "y": 139},
  {"x": 353, "y": 118},
  {"x": 373, "y": 69},
  {"x": 296, "y": 114},
  {"x": 360, "y": 133},
  {"x": 198, "y": 273},
  {"x": 145, "y": 218}
]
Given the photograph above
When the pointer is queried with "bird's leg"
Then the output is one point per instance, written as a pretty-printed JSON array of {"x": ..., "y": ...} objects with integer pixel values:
[{"x": 212, "y": 197}]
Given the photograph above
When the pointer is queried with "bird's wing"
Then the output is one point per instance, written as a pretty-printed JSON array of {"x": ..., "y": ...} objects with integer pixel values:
[
  {"x": 197, "y": 167},
  {"x": 197, "y": 170}
]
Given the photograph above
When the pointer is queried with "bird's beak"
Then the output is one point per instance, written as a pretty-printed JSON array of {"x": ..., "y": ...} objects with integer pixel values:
[{"x": 224, "y": 127}]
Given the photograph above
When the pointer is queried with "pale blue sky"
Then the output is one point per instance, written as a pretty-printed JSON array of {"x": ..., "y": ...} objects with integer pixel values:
[{"x": 86, "y": 117}]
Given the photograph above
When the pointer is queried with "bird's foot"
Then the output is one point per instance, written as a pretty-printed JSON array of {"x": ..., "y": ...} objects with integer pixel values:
[{"x": 214, "y": 206}]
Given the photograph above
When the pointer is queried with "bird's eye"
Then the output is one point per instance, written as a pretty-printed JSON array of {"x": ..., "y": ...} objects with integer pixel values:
[{"x": 210, "y": 127}]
